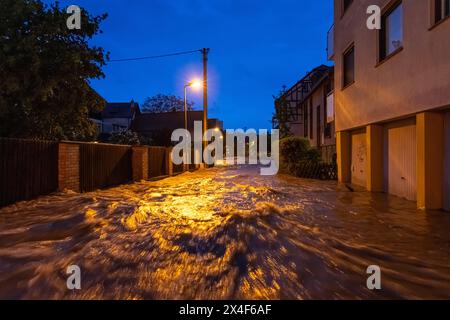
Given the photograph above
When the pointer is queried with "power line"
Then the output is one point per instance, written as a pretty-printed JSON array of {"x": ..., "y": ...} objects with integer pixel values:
[{"x": 157, "y": 56}]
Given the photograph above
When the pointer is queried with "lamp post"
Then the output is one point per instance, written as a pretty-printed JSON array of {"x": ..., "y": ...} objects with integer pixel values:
[
  {"x": 185, "y": 104},
  {"x": 194, "y": 84}
]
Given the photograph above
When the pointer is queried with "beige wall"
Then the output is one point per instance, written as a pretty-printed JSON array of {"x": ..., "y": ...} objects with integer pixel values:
[
  {"x": 415, "y": 79},
  {"x": 317, "y": 101},
  {"x": 297, "y": 128}
]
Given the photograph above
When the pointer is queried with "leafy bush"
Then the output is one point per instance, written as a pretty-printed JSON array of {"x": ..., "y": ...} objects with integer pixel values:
[
  {"x": 313, "y": 154},
  {"x": 293, "y": 149},
  {"x": 295, "y": 152}
]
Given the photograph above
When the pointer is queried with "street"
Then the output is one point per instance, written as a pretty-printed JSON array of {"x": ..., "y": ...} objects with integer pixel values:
[{"x": 223, "y": 233}]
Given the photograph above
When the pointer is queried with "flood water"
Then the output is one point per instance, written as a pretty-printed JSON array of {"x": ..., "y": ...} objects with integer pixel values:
[{"x": 223, "y": 233}]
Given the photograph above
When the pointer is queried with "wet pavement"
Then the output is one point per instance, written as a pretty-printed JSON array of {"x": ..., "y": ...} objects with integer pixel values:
[{"x": 223, "y": 233}]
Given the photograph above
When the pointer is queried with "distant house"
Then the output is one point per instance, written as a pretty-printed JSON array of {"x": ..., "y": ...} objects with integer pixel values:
[
  {"x": 307, "y": 108},
  {"x": 116, "y": 117},
  {"x": 159, "y": 126}
]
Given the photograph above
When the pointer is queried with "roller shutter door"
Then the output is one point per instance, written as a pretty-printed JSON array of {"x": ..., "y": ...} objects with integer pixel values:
[{"x": 402, "y": 155}]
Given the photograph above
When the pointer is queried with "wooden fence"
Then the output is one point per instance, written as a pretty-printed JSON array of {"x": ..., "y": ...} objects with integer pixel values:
[
  {"x": 28, "y": 168},
  {"x": 157, "y": 162},
  {"x": 104, "y": 165},
  {"x": 178, "y": 168}
]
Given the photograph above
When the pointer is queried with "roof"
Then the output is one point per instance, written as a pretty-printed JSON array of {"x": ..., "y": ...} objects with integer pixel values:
[
  {"x": 309, "y": 82},
  {"x": 120, "y": 110}
]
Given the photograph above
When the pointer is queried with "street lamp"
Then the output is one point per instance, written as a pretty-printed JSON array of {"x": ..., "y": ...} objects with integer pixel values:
[{"x": 195, "y": 84}]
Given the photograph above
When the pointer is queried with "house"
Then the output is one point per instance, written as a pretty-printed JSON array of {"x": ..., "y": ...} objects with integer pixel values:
[
  {"x": 392, "y": 98},
  {"x": 116, "y": 117},
  {"x": 308, "y": 111},
  {"x": 119, "y": 116},
  {"x": 159, "y": 126}
]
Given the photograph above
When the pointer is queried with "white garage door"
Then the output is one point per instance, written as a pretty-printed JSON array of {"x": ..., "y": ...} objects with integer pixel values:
[
  {"x": 401, "y": 162},
  {"x": 447, "y": 163},
  {"x": 359, "y": 155}
]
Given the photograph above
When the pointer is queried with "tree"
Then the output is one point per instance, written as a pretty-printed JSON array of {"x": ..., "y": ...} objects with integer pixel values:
[
  {"x": 45, "y": 70},
  {"x": 164, "y": 103}
]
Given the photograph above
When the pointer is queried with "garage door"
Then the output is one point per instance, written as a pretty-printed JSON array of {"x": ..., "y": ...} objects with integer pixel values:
[
  {"x": 401, "y": 162},
  {"x": 447, "y": 163},
  {"x": 359, "y": 155}
]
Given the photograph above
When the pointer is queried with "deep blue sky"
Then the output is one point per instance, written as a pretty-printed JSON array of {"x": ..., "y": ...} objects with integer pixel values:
[{"x": 256, "y": 47}]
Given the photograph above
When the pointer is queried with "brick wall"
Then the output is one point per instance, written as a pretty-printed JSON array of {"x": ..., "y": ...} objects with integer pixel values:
[
  {"x": 62, "y": 166},
  {"x": 69, "y": 167}
]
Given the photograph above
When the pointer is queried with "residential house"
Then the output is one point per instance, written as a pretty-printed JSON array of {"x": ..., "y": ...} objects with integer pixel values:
[
  {"x": 392, "y": 98},
  {"x": 119, "y": 116},
  {"x": 116, "y": 117},
  {"x": 159, "y": 126},
  {"x": 308, "y": 111}
]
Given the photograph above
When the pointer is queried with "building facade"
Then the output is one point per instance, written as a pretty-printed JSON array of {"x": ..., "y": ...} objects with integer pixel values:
[
  {"x": 115, "y": 117},
  {"x": 159, "y": 126},
  {"x": 118, "y": 117},
  {"x": 392, "y": 98},
  {"x": 307, "y": 108}
]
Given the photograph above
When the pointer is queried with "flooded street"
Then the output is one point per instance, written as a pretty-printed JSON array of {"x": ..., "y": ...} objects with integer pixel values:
[{"x": 223, "y": 233}]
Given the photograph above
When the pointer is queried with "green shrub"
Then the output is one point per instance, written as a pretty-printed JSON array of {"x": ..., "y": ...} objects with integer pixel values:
[
  {"x": 295, "y": 152},
  {"x": 314, "y": 155},
  {"x": 293, "y": 149}
]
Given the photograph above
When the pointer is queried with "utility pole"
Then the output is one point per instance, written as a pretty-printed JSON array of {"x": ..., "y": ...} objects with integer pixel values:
[{"x": 205, "y": 52}]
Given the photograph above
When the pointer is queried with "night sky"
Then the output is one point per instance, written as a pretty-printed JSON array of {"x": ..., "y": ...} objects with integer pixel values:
[{"x": 256, "y": 48}]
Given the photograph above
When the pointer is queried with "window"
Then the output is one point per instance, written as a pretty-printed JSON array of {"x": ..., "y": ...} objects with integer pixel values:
[
  {"x": 305, "y": 119},
  {"x": 327, "y": 131},
  {"x": 349, "y": 66},
  {"x": 441, "y": 10},
  {"x": 391, "y": 34},
  {"x": 347, "y": 4}
]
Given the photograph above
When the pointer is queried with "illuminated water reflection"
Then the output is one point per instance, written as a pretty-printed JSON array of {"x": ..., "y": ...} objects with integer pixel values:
[{"x": 223, "y": 233}]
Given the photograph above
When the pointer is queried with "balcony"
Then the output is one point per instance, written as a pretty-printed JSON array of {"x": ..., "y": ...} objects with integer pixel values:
[{"x": 330, "y": 43}]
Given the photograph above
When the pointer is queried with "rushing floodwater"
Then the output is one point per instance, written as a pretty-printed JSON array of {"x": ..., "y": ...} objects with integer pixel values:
[{"x": 223, "y": 233}]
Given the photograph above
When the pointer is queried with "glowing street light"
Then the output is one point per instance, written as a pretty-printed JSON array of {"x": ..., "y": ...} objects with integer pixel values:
[{"x": 195, "y": 84}]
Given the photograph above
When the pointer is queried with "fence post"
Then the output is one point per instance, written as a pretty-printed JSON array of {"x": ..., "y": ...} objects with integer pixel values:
[
  {"x": 169, "y": 163},
  {"x": 69, "y": 167},
  {"x": 140, "y": 163}
]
